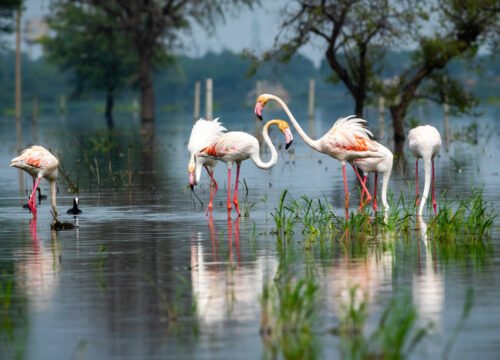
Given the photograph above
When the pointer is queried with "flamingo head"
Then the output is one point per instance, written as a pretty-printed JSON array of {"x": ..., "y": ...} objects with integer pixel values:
[
  {"x": 285, "y": 129},
  {"x": 259, "y": 105},
  {"x": 191, "y": 172}
]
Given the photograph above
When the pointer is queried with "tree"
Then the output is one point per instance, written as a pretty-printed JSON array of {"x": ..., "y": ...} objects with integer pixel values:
[
  {"x": 358, "y": 33},
  {"x": 7, "y": 12},
  {"x": 155, "y": 24},
  {"x": 97, "y": 58}
]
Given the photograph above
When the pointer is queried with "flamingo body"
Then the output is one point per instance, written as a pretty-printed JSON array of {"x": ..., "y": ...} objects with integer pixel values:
[
  {"x": 378, "y": 165},
  {"x": 425, "y": 142},
  {"x": 346, "y": 141},
  {"x": 39, "y": 163},
  {"x": 237, "y": 146},
  {"x": 203, "y": 133}
]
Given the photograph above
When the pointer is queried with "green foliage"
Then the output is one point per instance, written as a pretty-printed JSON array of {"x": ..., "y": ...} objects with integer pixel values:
[
  {"x": 7, "y": 14},
  {"x": 395, "y": 337},
  {"x": 288, "y": 311},
  {"x": 98, "y": 58}
]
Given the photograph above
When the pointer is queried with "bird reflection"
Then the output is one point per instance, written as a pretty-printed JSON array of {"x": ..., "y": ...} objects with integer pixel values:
[
  {"x": 37, "y": 271},
  {"x": 357, "y": 280},
  {"x": 222, "y": 286},
  {"x": 427, "y": 284}
]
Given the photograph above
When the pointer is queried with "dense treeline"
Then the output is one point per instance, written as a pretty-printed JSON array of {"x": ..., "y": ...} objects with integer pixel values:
[{"x": 233, "y": 88}]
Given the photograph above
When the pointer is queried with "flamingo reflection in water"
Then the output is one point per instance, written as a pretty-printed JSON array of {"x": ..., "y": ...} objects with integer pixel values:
[
  {"x": 427, "y": 283},
  {"x": 37, "y": 271},
  {"x": 222, "y": 284}
]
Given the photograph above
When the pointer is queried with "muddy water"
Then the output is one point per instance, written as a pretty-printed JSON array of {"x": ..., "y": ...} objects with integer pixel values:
[{"x": 147, "y": 275}]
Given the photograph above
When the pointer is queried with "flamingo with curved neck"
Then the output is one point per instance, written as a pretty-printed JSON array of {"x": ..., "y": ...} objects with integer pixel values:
[
  {"x": 346, "y": 141},
  {"x": 237, "y": 146}
]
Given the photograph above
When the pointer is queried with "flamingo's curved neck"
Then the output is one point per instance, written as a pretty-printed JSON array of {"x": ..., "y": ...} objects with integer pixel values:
[
  {"x": 427, "y": 184},
  {"x": 312, "y": 143},
  {"x": 385, "y": 183},
  {"x": 274, "y": 154}
]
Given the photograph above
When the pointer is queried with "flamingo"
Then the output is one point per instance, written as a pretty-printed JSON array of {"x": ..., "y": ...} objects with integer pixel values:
[
  {"x": 204, "y": 133},
  {"x": 237, "y": 146},
  {"x": 425, "y": 142},
  {"x": 39, "y": 163},
  {"x": 75, "y": 210},
  {"x": 377, "y": 165},
  {"x": 346, "y": 141}
]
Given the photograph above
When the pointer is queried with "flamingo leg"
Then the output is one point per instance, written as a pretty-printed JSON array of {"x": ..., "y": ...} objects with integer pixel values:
[
  {"x": 375, "y": 193},
  {"x": 346, "y": 192},
  {"x": 365, "y": 178},
  {"x": 31, "y": 201},
  {"x": 433, "y": 193},
  {"x": 213, "y": 189},
  {"x": 235, "y": 199},
  {"x": 416, "y": 183},
  {"x": 229, "y": 206},
  {"x": 368, "y": 196}
]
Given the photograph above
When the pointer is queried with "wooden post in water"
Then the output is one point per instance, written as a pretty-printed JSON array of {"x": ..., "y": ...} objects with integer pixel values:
[
  {"x": 310, "y": 108},
  {"x": 209, "y": 100},
  {"x": 19, "y": 129},
  {"x": 381, "y": 124},
  {"x": 446, "y": 118},
  {"x": 18, "y": 73},
  {"x": 196, "y": 113}
]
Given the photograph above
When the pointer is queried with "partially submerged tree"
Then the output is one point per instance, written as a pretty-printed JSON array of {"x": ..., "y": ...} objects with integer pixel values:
[
  {"x": 155, "y": 24},
  {"x": 98, "y": 59},
  {"x": 357, "y": 33},
  {"x": 8, "y": 9}
]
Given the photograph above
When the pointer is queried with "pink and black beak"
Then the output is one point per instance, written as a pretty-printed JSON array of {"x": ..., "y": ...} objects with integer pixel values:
[
  {"x": 288, "y": 138},
  {"x": 258, "y": 110}
]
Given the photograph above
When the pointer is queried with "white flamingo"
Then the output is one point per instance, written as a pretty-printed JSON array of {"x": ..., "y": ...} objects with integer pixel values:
[
  {"x": 377, "y": 165},
  {"x": 237, "y": 146},
  {"x": 346, "y": 141},
  {"x": 39, "y": 163},
  {"x": 204, "y": 133},
  {"x": 425, "y": 142}
]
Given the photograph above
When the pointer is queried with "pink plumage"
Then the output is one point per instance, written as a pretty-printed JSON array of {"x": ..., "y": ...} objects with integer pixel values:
[{"x": 39, "y": 163}]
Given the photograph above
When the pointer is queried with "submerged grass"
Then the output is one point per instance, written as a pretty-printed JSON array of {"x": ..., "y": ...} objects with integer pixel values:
[
  {"x": 395, "y": 336},
  {"x": 288, "y": 312}
]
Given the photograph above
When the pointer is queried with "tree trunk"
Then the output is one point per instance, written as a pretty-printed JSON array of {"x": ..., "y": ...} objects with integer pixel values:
[
  {"x": 110, "y": 100},
  {"x": 146, "y": 88},
  {"x": 359, "y": 104},
  {"x": 398, "y": 113}
]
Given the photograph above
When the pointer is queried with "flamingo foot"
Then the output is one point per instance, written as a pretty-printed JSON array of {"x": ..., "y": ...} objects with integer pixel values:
[
  {"x": 375, "y": 207},
  {"x": 237, "y": 207},
  {"x": 209, "y": 209},
  {"x": 434, "y": 205}
]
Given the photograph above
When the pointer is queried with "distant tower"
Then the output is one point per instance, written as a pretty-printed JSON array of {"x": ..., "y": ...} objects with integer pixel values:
[{"x": 255, "y": 31}]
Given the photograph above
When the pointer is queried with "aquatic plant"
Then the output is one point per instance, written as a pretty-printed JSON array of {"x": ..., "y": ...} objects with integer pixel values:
[
  {"x": 464, "y": 231},
  {"x": 288, "y": 311},
  {"x": 246, "y": 205},
  {"x": 284, "y": 217},
  {"x": 395, "y": 336}
]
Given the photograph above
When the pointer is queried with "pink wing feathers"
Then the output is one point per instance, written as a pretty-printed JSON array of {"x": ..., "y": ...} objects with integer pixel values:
[
  {"x": 35, "y": 156},
  {"x": 350, "y": 133}
]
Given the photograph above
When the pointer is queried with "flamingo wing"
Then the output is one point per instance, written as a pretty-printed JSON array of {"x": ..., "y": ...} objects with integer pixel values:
[
  {"x": 37, "y": 157},
  {"x": 204, "y": 133}
]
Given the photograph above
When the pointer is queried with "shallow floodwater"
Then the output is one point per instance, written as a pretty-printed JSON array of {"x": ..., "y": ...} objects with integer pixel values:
[{"x": 146, "y": 274}]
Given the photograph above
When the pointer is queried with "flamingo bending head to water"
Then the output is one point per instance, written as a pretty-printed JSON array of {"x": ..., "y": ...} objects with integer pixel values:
[
  {"x": 204, "y": 133},
  {"x": 346, "y": 141},
  {"x": 39, "y": 163},
  {"x": 425, "y": 142},
  {"x": 237, "y": 146}
]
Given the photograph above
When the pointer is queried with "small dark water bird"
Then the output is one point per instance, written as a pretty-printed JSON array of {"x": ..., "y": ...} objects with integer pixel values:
[
  {"x": 57, "y": 225},
  {"x": 74, "y": 210}
]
